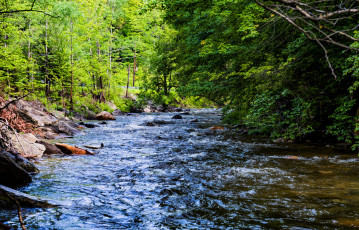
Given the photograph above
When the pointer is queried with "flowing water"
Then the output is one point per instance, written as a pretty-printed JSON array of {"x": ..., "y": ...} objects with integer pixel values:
[{"x": 183, "y": 175}]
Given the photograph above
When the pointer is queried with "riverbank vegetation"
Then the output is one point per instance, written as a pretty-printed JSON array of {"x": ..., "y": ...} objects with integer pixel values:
[{"x": 288, "y": 69}]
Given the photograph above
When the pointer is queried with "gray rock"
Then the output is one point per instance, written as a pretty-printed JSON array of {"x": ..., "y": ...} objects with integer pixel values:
[
  {"x": 11, "y": 173},
  {"x": 149, "y": 109},
  {"x": 24, "y": 163},
  {"x": 89, "y": 115},
  {"x": 68, "y": 127},
  {"x": 26, "y": 145},
  {"x": 50, "y": 148},
  {"x": 104, "y": 116},
  {"x": 37, "y": 117},
  {"x": 117, "y": 112}
]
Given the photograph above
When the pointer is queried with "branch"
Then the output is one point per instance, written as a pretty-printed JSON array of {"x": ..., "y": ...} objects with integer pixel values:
[
  {"x": 307, "y": 34},
  {"x": 23, "y": 227},
  {"x": 33, "y": 3},
  {"x": 28, "y": 10},
  {"x": 10, "y": 102}
]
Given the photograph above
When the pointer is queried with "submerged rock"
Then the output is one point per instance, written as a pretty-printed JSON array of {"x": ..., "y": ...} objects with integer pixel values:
[
  {"x": 105, "y": 116},
  {"x": 149, "y": 124},
  {"x": 7, "y": 195},
  {"x": 217, "y": 128},
  {"x": 177, "y": 117},
  {"x": 11, "y": 173},
  {"x": 87, "y": 125},
  {"x": 72, "y": 150}
]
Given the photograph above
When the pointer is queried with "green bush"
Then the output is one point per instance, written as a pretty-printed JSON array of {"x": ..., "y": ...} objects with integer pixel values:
[
  {"x": 281, "y": 115},
  {"x": 343, "y": 125}
]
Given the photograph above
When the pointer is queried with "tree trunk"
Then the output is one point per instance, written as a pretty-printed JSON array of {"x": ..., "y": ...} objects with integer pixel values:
[
  {"x": 110, "y": 59},
  {"x": 134, "y": 67},
  {"x": 72, "y": 68},
  {"x": 128, "y": 79},
  {"x": 29, "y": 54},
  {"x": 47, "y": 81},
  {"x": 165, "y": 84}
]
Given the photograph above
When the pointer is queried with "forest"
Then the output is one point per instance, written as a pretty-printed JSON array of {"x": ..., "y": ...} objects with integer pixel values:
[{"x": 287, "y": 69}]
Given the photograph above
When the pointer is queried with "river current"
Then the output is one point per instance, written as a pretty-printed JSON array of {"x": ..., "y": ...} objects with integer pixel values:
[{"x": 182, "y": 175}]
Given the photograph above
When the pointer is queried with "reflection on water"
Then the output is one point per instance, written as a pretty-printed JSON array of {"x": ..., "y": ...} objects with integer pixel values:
[{"x": 182, "y": 175}]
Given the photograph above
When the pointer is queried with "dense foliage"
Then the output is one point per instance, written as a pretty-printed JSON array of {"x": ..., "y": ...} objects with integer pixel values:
[
  {"x": 288, "y": 69},
  {"x": 248, "y": 57},
  {"x": 71, "y": 53}
]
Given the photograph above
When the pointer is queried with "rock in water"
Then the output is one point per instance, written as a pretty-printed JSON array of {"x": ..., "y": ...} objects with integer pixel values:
[
  {"x": 24, "y": 163},
  {"x": 72, "y": 150},
  {"x": 117, "y": 112},
  {"x": 24, "y": 200},
  {"x": 11, "y": 173},
  {"x": 217, "y": 128},
  {"x": 50, "y": 148},
  {"x": 104, "y": 116},
  {"x": 68, "y": 127},
  {"x": 177, "y": 117}
]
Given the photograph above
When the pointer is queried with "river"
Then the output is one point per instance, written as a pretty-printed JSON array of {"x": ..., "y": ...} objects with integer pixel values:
[{"x": 183, "y": 175}]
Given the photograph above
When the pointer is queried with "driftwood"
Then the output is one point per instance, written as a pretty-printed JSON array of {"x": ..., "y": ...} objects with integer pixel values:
[{"x": 72, "y": 150}]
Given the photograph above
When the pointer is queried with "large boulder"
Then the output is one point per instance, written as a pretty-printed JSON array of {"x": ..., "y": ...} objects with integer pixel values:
[
  {"x": 72, "y": 150},
  {"x": 68, "y": 127},
  {"x": 117, "y": 112},
  {"x": 34, "y": 114},
  {"x": 26, "y": 145},
  {"x": 8, "y": 197},
  {"x": 104, "y": 116},
  {"x": 90, "y": 115},
  {"x": 24, "y": 163},
  {"x": 11, "y": 173}
]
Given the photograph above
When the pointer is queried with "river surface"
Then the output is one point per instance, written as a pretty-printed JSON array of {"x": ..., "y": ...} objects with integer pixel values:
[{"x": 183, "y": 175}]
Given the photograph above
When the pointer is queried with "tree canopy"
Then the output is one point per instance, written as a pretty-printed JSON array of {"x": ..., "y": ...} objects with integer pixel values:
[{"x": 285, "y": 68}]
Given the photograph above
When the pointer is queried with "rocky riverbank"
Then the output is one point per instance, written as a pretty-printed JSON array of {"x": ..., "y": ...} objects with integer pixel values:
[{"x": 27, "y": 131}]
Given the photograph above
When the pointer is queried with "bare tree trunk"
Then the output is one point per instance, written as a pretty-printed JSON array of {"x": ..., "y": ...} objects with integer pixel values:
[
  {"x": 165, "y": 84},
  {"x": 47, "y": 81},
  {"x": 110, "y": 69},
  {"x": 7, "y": 71},
  {"x": 72, "y": 68},
  {"x": 134, "y": 67},
  {"x": 128, "y": 79},
  {"x": 29, "y": 53},
  {"x": 63, "y": 92}
]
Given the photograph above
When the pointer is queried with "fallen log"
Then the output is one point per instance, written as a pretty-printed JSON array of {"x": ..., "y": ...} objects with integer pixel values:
[
  {"x": 72, "y": 150},
  {"x": 94, "y": 147}
]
